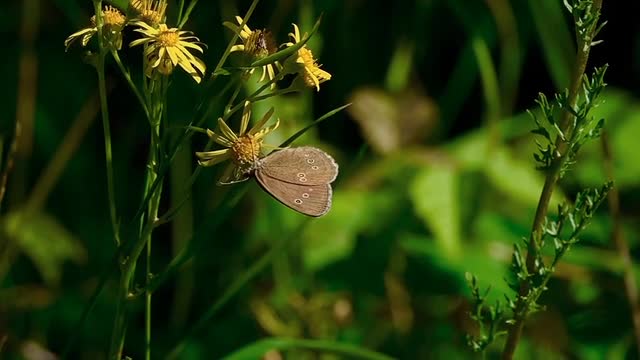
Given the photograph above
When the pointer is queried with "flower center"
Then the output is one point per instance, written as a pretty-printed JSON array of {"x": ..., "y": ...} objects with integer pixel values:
[
  {"x": 113, "y": 17},
  {"x": 260, "y": 44},
  {"x": 150, "y": 17},
  {"x": 169, "y": 38},
  {"x": 246, "y": 150}
]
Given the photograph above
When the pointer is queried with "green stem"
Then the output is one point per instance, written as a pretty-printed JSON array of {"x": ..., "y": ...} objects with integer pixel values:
[
  {"x": 151, "y": 218},
  {"x": 553, "y": 175},
  {"x": 184, "y": 18},
  {"x": 102, "y": 88},
  {"x": 133, "y": 87},
  {"x": 253, "y": 96},
  {"x": 156, "y": 96},
  {"x": 154, "y": 202},
  {"x": 490, "y": 88},
  {"x": 232, "y": 42}
]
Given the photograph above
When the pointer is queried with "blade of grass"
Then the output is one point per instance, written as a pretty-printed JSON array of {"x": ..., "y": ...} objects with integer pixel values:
[
  {"x": 257, "y": 349},
  {"x": 234, "y": 288},
  {"x": 322, "y": 118},
  {"x": 555, "y": 39}
]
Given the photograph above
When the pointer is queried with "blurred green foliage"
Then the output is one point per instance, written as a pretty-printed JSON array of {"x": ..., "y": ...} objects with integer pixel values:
[{"x": 437, "y": 179}]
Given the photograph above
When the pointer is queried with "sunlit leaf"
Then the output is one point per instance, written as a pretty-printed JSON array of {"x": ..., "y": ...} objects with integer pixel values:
[
  {"x": 516, "y": 178},
  {"x": 435, "y": 196},
  {"x": 333, "y": 236}
]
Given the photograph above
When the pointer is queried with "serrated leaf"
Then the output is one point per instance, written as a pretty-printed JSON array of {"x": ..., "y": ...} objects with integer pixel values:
[
  {"x": 45, "y": 241},
  {"x": 543, "y": 132}
]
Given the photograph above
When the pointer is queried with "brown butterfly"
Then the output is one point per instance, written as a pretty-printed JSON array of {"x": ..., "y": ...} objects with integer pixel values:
[{"x": 298, "y": 177}]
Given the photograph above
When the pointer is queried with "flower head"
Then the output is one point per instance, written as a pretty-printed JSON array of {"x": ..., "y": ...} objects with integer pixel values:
[
  {"x": 243, "y": 148},
  {"x": 257, "y": 44},
  {"x": 305, "y": 64},
  {"x": 165, "y": 48},
  {"x": 113, "y": 23},
  {"x": 151, "y": 12}
]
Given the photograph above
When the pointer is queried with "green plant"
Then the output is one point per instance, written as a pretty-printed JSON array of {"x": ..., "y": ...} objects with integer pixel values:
[
  {"x": 564, "y": 125},
  {"x": 165, "y": 49}
]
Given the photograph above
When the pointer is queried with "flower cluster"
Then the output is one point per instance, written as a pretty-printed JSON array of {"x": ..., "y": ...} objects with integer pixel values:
[
  {"x": 164, "y": 47},
  {"x": 244, "y": 148},
  {"x": 258, "y": 44}
]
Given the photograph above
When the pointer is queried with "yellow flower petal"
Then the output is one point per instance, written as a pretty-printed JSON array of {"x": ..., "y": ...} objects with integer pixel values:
[
  {"x": 226, "y": 131},
  {"x": 210, "y": 158}
]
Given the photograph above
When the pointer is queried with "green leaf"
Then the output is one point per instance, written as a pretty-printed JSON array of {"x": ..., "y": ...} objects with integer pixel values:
[
  {"x": 517, "y": 178},
  {"x": 333, "y": 236},
  {"x": 222, "y": 71},
  {"x": 45, "y": 241},
  {"x": 434, "y": 193},
  {"x": 257, "y": 349},
  {"x": 481, "y": 261}
]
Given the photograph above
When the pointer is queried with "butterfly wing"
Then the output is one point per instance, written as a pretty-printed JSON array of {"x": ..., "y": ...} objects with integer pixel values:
[
  {"x": 311, "y": 200},
  {"x": 301, "y": 165}
]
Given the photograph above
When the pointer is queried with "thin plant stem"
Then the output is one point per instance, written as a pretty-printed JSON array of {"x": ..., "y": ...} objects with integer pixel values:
[
  {"x": 107, "y": 149},
  {"x": 253, "y": 96},
  {"x": 156, "y": 96},
  {"x": 151, "y": 217},
  {"x": 133, "y": 87},
  {"x": 620, "y": 241},
  {"x": 180, "y": 10},
  {"x": 102, "y": 88},
  {"x": 510, "y": 53},
  {"x": 154, "y": 203},
  {"x": 551, "y": 179},
  {"x": 490, "y": 88},
  {"x": 190, "y": 7},
  {"x": 232, "y": 42},
  {"x": 9, "y": 165},
  {"x": 233, "y": 97}
]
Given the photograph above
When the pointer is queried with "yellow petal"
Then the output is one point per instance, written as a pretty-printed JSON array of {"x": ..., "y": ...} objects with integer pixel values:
[
  {"x": 246, "y": 115},
  {"x": 256, "y": 128},
  {"x": 210, "y": 158},
  {"x": 226, "y": 131},
  {"x": 219, "y": 139}
]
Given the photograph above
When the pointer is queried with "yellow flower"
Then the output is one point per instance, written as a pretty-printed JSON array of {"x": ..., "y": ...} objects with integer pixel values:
[
  {"x": 151, "y": 12},
  {"x": 113, "y": 22},
  {"x": 165, "y": 48},
  {"x": 305, "y": 64},
  {"x": 258, "y": 44},
  {"x": 243, "y": 148}
]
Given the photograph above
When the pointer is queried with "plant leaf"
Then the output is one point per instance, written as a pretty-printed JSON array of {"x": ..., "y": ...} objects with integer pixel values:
[{"x": 45, "y": 241}]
